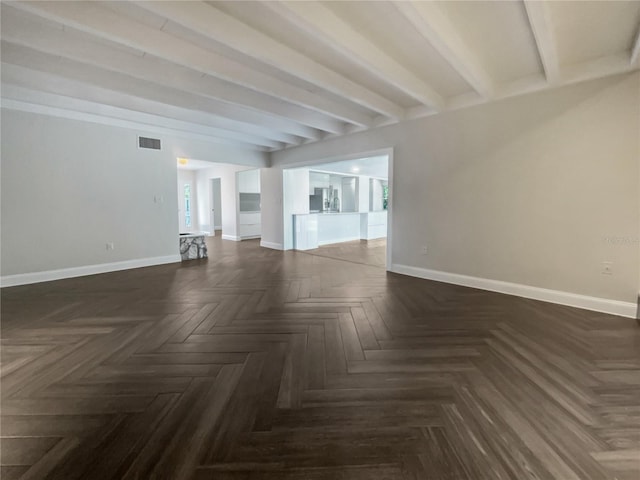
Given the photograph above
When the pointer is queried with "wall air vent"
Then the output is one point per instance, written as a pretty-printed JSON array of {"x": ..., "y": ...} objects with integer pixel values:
[{"x": 152, "y": 143}]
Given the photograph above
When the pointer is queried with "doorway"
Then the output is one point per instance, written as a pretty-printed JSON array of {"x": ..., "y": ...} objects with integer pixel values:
[
  {"x": 341, "y": 208},
  {"x": 215, "y": 202}
]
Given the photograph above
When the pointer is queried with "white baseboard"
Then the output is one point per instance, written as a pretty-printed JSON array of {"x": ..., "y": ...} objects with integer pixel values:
[
  {"x": 597, "y": 304},
  {"x": 231, "y": 237},
  {"x": 49, "y": 275},
  {"x": 239, "y": 238},
  {"x": 274, "y": 246}
]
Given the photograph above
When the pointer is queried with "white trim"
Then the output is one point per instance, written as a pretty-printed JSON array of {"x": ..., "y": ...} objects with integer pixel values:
[
  {"x": 597, "y": 304},
  {"x": 274, "y": 246},
  {"x": 233, "y": 238},
  {"x": 389, "y": 260},
  {"x": 49, "y": 275},
  {"x": 249, "y": 237}
]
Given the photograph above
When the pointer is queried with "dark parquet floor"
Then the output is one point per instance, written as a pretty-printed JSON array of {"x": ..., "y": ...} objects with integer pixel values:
[{"x": 259, "y": 364}]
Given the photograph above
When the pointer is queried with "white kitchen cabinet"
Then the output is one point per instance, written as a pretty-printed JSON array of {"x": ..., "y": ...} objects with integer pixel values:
[
  {"x": 250, "y": 218},
  {"x": 305, "y": 231},
  {"x": 249, "y": 181},
  {"x": 375, "y": 225},
  {"x": 249, "y": 225},
  {"x": 250, "y": 231}
]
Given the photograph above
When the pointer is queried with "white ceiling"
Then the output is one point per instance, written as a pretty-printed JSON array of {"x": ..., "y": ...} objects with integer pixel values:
[
  {"x": 269, "y": 75},
  {"x": 377, "y": 167}
]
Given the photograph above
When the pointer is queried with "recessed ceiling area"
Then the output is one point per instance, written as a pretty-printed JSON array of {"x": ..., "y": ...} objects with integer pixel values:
[
  {"x": 271, "y": 75},
  {"x": 377, "y": 167}
]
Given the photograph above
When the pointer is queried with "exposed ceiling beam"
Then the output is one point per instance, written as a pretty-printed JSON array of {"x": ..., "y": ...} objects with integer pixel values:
[
  {"x": 438, "y": 30},
  {"x": 55, "y": 84},
  {"x": 92, "y": 18},
  {"x": 540, "y": 21},
  {"x": 322, "y": 23},
  {"x": 27, "y": 100},
  {"x": 635, "y": 50},
  {"x": 117, "y": 83},
  {"x": 145, "y": 87},
  {"x": 215, "y": 24},
  {"x": 24, "y": 29},
  {"x": 580, "y": 72}
]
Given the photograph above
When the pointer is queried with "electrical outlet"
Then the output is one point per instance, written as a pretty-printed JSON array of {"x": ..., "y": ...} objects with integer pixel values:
[
  {"x": 607, "y": 268},
  {"x": 110, "y": 246},
  {"x": 424, "y": 250}
]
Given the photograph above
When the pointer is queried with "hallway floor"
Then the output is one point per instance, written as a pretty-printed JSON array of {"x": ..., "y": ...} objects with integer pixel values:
[{"x": 367, "y": 252}]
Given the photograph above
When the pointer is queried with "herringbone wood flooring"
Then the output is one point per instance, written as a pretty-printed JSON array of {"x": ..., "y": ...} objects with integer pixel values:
[
  {"x": 371, "y": 252},
  {"x": 258, "y": 364}
]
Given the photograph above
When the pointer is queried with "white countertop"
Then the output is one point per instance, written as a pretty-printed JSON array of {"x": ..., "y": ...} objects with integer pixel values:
[{"x": 191, "y": 235}]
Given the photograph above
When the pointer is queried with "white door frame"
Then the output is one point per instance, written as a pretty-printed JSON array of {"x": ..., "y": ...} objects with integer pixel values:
[
  {"x": 371, "y": 153},
  {"x": 182, "y": 217}
]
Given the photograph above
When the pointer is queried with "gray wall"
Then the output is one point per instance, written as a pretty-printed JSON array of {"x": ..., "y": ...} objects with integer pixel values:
[
  {"x": 524, "y": 190},
  {"x": 271, "y": 183},
  {"x": 69, "y": 187}
]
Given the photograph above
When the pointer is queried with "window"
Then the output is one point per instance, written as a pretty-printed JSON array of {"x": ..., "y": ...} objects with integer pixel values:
[
  {"x": 385, "y": 196},
  {"x": 187, "y": 205}
]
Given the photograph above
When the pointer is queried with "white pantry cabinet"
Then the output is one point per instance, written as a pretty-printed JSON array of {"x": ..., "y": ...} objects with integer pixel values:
[{"x": 249, "y": 181}]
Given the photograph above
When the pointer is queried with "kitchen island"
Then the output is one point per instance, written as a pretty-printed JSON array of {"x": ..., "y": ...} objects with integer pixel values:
[{"x": 312, "y": 230}]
